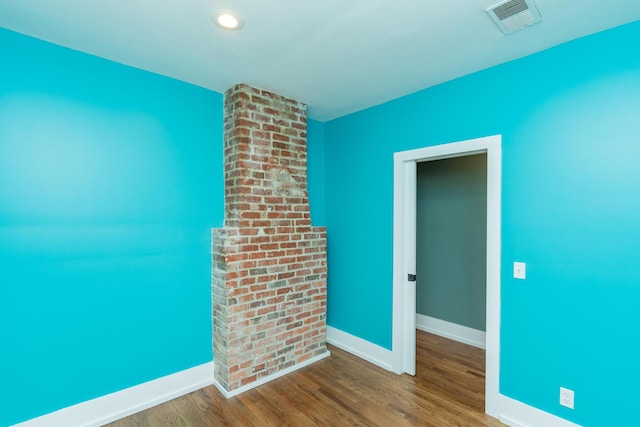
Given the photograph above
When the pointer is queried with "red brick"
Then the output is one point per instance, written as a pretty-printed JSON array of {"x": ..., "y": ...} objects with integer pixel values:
[{"x": 269, "y": 263}]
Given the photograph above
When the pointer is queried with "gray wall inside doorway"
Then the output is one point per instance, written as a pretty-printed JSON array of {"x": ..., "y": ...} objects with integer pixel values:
[{"x": 451, "y": 240}]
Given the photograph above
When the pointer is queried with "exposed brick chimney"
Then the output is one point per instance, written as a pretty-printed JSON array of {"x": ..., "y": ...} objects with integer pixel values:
[{"x": 269, "y": 263}]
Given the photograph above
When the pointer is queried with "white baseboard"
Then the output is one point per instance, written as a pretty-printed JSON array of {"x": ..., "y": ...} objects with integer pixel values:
[
  {"x": 272, "y": 377},
  {"x": 509, "y": 411},
  {"x": 111, "y": 407},
  {"x": 517, "y": 414},
  {"x": 364, "y": 349},
  {"x": 452, "y": 331},
  {"x": 105, "y": 409},
  {"x": 114, "y": 406}
]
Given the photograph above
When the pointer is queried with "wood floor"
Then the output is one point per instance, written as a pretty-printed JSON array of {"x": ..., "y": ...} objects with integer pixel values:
[{"x": 343, "y": 390}]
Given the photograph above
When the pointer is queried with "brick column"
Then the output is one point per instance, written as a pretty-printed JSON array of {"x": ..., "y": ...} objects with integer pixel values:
[{"x": 269, "y": 263}]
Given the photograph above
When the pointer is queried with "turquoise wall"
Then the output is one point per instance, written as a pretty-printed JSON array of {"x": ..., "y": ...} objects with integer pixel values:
[
  {"x": 451, "y": 240},
  {"x": 316, "y": 171},
  {"x": 110, "y": 181},
  {"x": 570, "y": 121}
]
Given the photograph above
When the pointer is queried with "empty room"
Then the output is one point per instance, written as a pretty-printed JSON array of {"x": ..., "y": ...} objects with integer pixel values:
[{"x": 255, "y": 213}]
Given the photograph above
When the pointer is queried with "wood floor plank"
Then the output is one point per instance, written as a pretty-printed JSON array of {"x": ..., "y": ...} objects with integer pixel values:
[{"x": 344, "y": 390}]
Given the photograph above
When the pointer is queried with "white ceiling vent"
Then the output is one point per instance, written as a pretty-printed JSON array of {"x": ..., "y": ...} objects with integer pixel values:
[{"x": 514, "y": 15}]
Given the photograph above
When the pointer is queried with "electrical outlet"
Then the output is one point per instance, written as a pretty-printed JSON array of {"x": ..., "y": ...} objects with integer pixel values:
[{"x": 566, "y": 397}]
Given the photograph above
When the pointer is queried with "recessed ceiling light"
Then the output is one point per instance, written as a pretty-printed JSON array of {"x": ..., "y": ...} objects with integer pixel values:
[{"x": 227, "y": 20}]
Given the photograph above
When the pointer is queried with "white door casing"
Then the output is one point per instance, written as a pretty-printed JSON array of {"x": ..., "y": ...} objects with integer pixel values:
[{"x": 404, "y": 255}]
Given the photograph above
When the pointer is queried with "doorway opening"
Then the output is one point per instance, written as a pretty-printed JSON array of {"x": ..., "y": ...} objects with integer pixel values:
[
  {"x": 451, "y": 243},
  {"x": 404, "y": 255}
]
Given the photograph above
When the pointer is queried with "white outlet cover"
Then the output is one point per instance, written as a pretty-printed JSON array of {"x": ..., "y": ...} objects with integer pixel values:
[
  {"x": 519, "y": 270},
  {"x": 566, "y": 397}
]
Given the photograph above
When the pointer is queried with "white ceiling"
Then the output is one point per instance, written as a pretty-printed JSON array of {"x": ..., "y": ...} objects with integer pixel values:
[{"x": 338, "y": 56}]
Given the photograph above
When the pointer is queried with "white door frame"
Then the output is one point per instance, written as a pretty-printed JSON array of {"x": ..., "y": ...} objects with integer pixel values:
[{"x": 404, "y": 255}]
